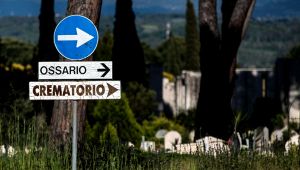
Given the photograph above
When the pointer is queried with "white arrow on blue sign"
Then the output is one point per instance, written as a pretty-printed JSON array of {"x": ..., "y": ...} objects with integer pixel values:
[{"x": 76, "y": 37}]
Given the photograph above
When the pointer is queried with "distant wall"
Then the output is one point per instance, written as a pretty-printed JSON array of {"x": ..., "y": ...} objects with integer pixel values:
[
  {"x": 182, "y": 94},
  {"x": 251, "y": 84},
  {"x": 287, "y": 83}
]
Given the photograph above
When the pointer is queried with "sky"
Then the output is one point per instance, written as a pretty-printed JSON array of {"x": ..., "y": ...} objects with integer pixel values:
[{"x": 263, "y": 7}]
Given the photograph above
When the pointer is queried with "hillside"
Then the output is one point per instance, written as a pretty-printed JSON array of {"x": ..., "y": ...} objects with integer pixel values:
[{"x": 264, "y": 42}]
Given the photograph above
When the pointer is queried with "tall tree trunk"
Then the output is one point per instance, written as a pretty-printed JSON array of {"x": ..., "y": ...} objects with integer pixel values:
[
  {"x": 61, "y": 116},
  {"x": 218, "y": 61},
  {"x": 46, "y": 49}
]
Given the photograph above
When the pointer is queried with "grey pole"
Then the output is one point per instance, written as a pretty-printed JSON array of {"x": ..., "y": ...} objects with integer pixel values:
[{"x": 74, "y": 138}]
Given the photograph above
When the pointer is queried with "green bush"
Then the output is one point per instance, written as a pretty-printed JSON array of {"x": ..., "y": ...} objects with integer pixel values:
[
  {"x": 119, "y": 114},
  {"x": 141, "y": 101},
  {"x": 110, "y": 135},
  {"x": 152, "y": 126}
]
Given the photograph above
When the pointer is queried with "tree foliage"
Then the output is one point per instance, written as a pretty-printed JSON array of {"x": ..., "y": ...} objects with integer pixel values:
[
  {"x": 294, "y": 52},
  {"x": 157, "y": 123},
  {"x": 186, "y": 119},
  {"x": 152, "y": 56},
  {"x": 119, "y": 114},
  {"x": 109, "y": 135},
  {"x": 141, "y": 101},
  {"x": 127, "y": 48},
  {"x": 173, "y": 54},
  {"x": 15, "y": 51},
  {"x": 192, "y": 60},
  {"x": 104, "y": 48}
]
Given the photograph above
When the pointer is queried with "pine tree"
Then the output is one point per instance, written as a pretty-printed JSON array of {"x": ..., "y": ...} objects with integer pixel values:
[
  {"x": 192, "y": 60},
  {"x": 61, "y": 115},
  {"x": 218, "y": 63}
]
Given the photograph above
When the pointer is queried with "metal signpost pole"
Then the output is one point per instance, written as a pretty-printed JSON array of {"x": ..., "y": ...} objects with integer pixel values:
[
  {"x": 86, "y": 32},
  {"x": 74, "y": 138}
]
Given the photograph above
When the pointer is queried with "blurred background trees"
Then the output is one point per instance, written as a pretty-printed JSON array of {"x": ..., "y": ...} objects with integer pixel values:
[
  {"x": 117, "y": 113},
  {"x": 45, "y": 50},
  {"x": 192, "y": 60},
  {"x": 127, "y": 54},
  {"x": 173, "y": 54}
]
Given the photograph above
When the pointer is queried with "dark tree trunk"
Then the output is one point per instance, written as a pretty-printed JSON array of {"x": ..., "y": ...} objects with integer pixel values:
[
  {"x": 128, "y": 54},
  {"x": 46, "y": 50},
  {"x": 62, "y": 115},
  {"x": 218, "y": 61}
]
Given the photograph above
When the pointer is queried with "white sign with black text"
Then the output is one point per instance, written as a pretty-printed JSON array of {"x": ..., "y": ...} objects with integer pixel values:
[
  {"x": 75, "y": 70},
  {"x": 74, "y": 90}
]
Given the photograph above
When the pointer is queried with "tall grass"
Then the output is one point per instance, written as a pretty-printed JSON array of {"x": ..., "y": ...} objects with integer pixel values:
[{"x": 29, "y": 134}]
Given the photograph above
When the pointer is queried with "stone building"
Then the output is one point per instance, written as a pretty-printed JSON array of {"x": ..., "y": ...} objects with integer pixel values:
[{"x": 182, "y": 93}]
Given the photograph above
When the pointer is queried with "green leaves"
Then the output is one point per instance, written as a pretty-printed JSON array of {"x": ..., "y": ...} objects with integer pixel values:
[
  {"x": 192, "y": 59},
  {"x": 173, "y": 53},
  {"x": 141, "y": 100},
  {"x": 119, "y": 115}
]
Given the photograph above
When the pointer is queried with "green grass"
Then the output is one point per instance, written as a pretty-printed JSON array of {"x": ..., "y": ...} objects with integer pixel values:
[{"x": 21, "y": 134}]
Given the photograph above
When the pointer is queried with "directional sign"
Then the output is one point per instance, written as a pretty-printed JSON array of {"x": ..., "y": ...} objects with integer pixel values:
[
  {"x": 75, "y": 37},
  {"x": 75, "y": 70},
  {"x": 73, "y": 90}
]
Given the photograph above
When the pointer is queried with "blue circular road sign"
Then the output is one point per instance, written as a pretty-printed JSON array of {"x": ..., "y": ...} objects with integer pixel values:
[{"x": 76, "y": 37}]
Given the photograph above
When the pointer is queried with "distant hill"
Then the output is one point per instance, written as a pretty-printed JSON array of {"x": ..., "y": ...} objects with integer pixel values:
[
  {"x": 264, "y": 8},
  {"x": 264, "y": 42},
  {"x": 277, "y": 8}
]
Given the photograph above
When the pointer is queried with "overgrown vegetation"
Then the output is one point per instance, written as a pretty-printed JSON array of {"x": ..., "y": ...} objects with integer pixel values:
[{"x": 32, "y": 150}]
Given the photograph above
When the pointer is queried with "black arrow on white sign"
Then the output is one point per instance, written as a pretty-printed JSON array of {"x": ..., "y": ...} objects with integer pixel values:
[{"x": 105, "y": 70}]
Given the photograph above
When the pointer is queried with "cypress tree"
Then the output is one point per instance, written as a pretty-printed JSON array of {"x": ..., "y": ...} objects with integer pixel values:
[
  {"x": 192, "y": 61},
  {"x": 128, "y": 54},
  {"x": 46, "y": 50},
  {"x": 173, "y": 53}
]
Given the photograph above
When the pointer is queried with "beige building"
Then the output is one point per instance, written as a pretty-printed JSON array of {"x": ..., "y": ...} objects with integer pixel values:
[{"x": 181, "y": 94}]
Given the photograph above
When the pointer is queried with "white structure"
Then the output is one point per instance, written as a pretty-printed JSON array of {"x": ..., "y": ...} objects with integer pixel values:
[
  {"x": 188, "y": 148},
  {"x": 183, "y": 93},
  {"x": 261, "y": 139},
  {"x": 294, "y": 141},
  {"x": 2, "y": 150},
  {"x": 277, "y": 135},
  {"x": 172, "y": 139},
  {"x": 208, "y": 145},
  {"x": 168, "y": 30},
  {"x": 160, "y": 134},
  {"x": 294, "y": 112},
  {"x": 148, "y": 146},
  {"x": 192, "y": 135}
]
